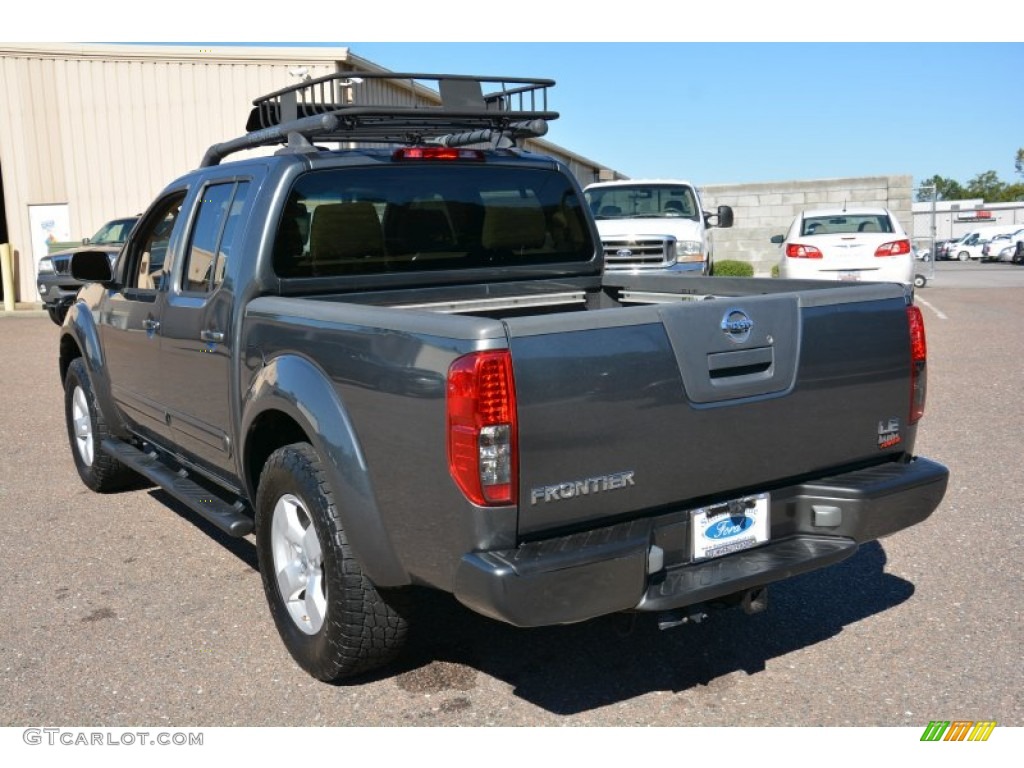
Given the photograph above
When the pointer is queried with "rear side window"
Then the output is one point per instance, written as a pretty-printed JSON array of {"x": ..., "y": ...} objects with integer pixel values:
[
  {"x": 425, "y": 217},
  {"x": 213, "y": 236}
]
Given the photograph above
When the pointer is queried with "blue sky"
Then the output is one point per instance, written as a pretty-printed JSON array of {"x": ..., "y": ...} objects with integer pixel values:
[
  {"x": 746, "y": 112},
  {"x": 763, "y": 102}
]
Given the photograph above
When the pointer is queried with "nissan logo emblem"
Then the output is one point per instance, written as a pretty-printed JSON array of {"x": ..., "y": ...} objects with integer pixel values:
[{"x": 737, "y": 325}]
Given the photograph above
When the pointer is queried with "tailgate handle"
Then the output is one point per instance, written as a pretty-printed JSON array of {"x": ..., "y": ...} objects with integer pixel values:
[{"x": 743, "y": 362}]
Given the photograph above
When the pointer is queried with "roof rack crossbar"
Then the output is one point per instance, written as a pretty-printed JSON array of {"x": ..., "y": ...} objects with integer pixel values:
[
  {"x": 288, "y": 132},
  {"x": 392, "y": 107}
]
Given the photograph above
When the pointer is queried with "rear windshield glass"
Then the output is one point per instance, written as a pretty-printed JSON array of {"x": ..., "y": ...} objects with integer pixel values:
[
  {"x": 363, "y": 221},
  {"x": 831, "y": 225}
]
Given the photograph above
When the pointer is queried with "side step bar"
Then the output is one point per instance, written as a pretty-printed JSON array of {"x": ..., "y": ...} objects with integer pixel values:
[{"x": 230, "y": 519}]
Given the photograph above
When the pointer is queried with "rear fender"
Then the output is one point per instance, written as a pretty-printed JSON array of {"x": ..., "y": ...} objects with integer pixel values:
[{"x": 293, "y": 386}]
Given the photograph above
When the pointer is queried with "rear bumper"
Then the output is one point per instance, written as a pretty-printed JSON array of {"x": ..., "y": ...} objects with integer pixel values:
[
  {"x": 645, "y": 564},
  {"x": 895, "y": 269}
]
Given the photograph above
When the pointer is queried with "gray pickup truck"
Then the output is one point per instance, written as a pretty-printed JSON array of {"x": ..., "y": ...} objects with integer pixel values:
[{"x": 400, "y": 364}]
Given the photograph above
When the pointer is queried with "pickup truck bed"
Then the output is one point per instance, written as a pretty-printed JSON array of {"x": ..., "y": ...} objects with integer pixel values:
[{"x": 407, "y": 367}]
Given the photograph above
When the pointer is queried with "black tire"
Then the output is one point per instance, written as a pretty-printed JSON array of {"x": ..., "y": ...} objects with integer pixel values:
[
  {"x": 54, "y": 312},
  {"x": 332, "y": 619},
  {"x": 86, "y": 430},
  {"x": 963, "y": 256},
  {"x": 920, "y": 281}
]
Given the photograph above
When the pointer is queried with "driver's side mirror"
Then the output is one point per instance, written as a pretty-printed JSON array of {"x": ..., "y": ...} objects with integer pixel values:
[
  {"x": 722, "y": 217},
  {"x": 91, "y": 267},
  {"x": 777, "y": 239}
]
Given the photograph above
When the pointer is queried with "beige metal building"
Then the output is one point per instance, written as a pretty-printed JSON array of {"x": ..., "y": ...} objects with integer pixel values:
[{"x": 90, "y": 133}]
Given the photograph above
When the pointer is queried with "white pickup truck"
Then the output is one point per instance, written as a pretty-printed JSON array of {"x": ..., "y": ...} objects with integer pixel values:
[{"x": 655, "y": 224}]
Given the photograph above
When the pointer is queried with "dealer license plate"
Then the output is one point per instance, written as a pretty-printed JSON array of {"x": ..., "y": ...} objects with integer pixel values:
[
  {"x": 730, "y": 526},
  {"x": 850, "y": 277}
]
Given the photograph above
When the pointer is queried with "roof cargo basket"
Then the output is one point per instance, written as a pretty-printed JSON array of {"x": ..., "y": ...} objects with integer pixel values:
[{"x": 395, "y": 108}]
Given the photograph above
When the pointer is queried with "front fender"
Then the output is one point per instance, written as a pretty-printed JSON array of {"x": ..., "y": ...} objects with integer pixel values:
[
  {"x": 294, "y": 386},
  {"x": 79, "y": 336}
]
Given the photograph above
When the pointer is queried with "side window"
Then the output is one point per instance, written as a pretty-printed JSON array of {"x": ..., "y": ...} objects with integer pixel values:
[
  {"x": 149, "y": 249},
  {"x": 213, "y": 236},
  {"x": 232, "y": 233}
]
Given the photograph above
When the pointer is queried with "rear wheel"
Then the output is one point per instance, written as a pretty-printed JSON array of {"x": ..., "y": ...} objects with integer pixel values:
[
  {"x": 963, "y": 255},
  {"x": 334, "y": 622},
  {"x": 920, "y": 281}
]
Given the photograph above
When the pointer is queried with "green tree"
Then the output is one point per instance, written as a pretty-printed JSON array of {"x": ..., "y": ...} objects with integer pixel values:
[
  {"x": 986, "y": 186},
  {"x": 946, "y": 189},
  {"x": 1014, "y": 192}
]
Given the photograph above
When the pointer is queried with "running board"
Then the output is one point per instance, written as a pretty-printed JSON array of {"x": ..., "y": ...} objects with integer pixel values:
[{"x": 229, "y": 518}]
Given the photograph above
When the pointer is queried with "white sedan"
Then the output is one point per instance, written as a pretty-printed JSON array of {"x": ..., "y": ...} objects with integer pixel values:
[{"x": 847, "y": 244}]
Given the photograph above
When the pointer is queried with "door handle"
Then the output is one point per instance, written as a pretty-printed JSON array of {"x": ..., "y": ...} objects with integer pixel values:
[
  {"x": 150, "y": 324},
  {"x": 214, "y": 336}
]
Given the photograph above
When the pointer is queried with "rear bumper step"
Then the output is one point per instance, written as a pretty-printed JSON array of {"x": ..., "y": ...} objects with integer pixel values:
[
  {"x": 230, "y": 519},
  {"x": 753, "y": 568},
  {"x": 645, "y": 565}
]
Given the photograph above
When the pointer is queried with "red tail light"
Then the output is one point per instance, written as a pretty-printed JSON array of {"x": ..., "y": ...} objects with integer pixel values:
[
  {"x": 482, "y": 429},
  {"x": 918, "y": 359},
  {"x": 895, "y": 248},
  {"x": 437, "y": 153},
  {"x": 797, "y": 251}
]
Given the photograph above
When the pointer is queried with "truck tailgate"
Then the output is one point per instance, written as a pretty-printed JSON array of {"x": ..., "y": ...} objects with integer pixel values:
[{"x": 651, "y": 408}]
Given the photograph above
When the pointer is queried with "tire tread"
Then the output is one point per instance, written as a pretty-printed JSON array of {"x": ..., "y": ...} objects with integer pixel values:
[
  {"x": 362, "y": 630},
  {"x": 106, "y": 474}
]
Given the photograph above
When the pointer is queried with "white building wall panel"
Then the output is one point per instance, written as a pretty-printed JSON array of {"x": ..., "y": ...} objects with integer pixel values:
[{"x": 104, "y": 128}]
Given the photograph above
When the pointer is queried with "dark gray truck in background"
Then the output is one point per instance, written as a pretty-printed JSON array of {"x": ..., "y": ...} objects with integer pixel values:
[{"x": 402, "y": 365}]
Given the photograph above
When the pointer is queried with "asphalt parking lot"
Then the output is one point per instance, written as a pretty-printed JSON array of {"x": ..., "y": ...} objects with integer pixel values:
[{"x": 125, "y": 609}]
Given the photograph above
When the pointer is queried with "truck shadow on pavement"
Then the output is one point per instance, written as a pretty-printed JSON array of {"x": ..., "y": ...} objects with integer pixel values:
[
  {"x": 243, "y": 549},
  {"x": 576, "y": 668},
  {"x": 572, "y": 669}
]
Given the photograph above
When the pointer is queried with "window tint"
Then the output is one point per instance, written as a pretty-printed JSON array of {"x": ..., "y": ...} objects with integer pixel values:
[
  {"x": 149, "y": 250},
  {"x": 428, "y": 217},
  {"x": 213, "y": 236}
]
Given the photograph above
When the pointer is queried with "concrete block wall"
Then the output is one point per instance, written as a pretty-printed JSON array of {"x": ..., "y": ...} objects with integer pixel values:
[{"x": 766, "y": 209}]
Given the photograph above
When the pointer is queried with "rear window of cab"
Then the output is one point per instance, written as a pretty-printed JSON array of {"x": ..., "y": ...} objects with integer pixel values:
[{"x": 421, "y": 217}]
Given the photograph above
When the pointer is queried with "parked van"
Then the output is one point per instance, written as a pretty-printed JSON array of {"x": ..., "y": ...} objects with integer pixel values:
[{"x": 969, "y": 246}]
